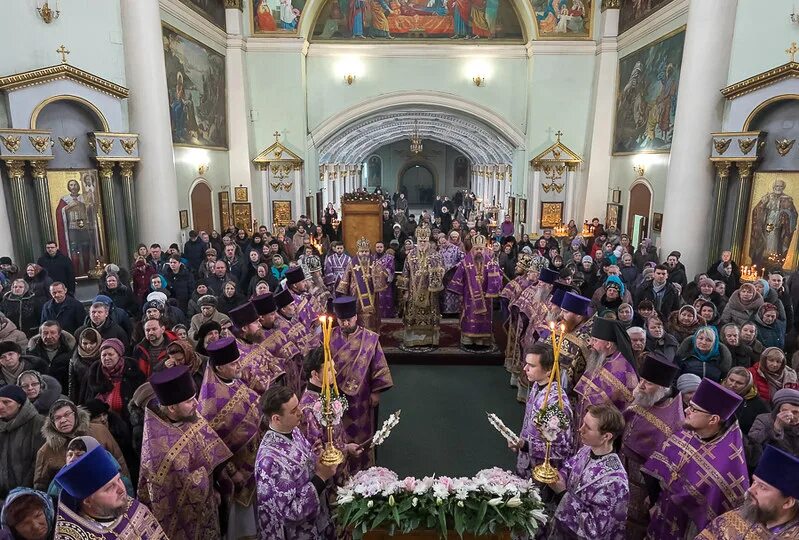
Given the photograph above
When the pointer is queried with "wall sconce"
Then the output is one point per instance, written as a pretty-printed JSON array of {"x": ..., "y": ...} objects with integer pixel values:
[
  {"x": 47, "y": 14},
  {"x": 478, "y": 80},
  {"x": 349, "y": 78},
  {"x": 639, "y": 170},
  {"x": 202, "y": 168}
]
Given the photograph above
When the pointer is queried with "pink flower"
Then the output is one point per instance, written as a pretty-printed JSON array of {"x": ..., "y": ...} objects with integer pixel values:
[{"x": 409, "y": 483}]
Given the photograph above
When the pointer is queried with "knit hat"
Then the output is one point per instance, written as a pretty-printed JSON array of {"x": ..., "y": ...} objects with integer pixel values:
[
  {"x": 12, "y": 391},
  {"x": 113, "y": 343},
  {"x": 207, "y": 300},
  {"x": 103, "y": 299},
  {"x": 10, "y": 346},
  {"x": 154, "y": 304},
  {"x": 112, "y": 268},
  {"x": 202, "y": 333},
  {"x": 87, "y": 474},
  {"x": 785, "y": 395},
  {"x": 157, "y": 295},
  {"x": 5, "y": 260},
  {"x": 688, "y": 382},
  {"x": 587, "y": 259}
]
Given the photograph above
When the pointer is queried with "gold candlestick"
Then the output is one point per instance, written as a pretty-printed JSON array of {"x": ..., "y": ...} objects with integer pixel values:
[
  {"x": 545, "y": 472},
  {"x": 330, "y": 455}
]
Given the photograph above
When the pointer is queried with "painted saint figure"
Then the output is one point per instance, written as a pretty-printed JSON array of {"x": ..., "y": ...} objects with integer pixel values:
[
  {"x": 76, "y": 224},
  {"x": 774, "y": 220}
]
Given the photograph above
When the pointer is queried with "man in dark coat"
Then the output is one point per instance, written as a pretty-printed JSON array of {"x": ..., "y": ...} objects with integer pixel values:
[
  {"x": 20, "y": 439},
  {"x": 63, "y": 308},
  {"x": 100, "y": 320},
  {"x": 660, "y": 292},
  {"x": 58, "y": 266},
  {"x": 181, "y": 281},
  {"x": 718, "y": 271},
  {"x": 55, "y": 347},
  {"x": 194, "y": 251}
]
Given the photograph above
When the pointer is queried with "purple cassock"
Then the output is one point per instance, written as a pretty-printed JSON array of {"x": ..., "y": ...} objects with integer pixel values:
[
  {"x": 364, "y": 282},
  {"x": 233, "y": 410},
  {"x": 536, "y": 445},
  {"x": 176, "y": 478},
  {"x": 388, "y": 309},
  {"x": 289, "y": 507},
  {"x": 306, "y": 312},
  {"x": 645, "y": 431},
  {"x": 278, "y": 344},
  {"x": 511, "y": 292},
  {"x": 611, "y": 382},
  {"x": 594, "y": 505},
  {"x": 316, "y": 433},
  {"x": 137, "y": 523},
  {"x": 335, "y": 267},
  {"x": 259, "y": 369},
  {"x": 361, "y": 370},
  {"x": 297, "y": 333},
  {"x": 478, "y": 282},
  {"x": 451, "y": 255}
]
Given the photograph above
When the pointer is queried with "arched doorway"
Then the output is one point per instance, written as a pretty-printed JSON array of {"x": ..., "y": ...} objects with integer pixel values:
[
  {"x": 638, "y": 215},
  {"x": 202, "y": 217},
  {"x": 418, "y": 182}
]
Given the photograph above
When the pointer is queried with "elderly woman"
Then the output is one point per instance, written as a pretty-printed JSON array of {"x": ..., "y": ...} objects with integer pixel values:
[
  {"x": 770, "y": 329},
  {"x": 22, "y": 307},
  {"x": 13, "y": 363},
  {"x": 181, "y": 353},
  {"x": 779, "y": 428},
  {"x": 120, "y": 294},
  {"x": 740, "y": 381},
  {"x": 230, "y": 298},
  {"x": 740, "y": 352},
  {"x": 749, "y": 337},
  {"x": 742, "y": 306},
  {"x": 772, "y": 373},
  {"x": 27, "y": 515},
  {"x": 684, "y": 323},
  {"x": 113, "y": 379},
  {"x": 42, "y": 390},
  {"x": 658, "y": 340},
  {"x": 702, "y": 354}
]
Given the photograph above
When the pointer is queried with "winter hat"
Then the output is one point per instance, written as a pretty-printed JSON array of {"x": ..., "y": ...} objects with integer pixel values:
[
  {"x": 688, "y": 382},
  {"x": 587, "y": 259},
  {"x": 157, "y": 295},
  {"x": 103, "y": 299},
  {"x": 5, "y": 260},
  {"x": 113, "y": 343},
  {"x": 207, "y": 300},
  {"x": 785, "y": 395},
  {"x": 202, "y": 332},
  {"x": 87, "y": 474},
  {"x": 12, "y": 391},
  {"x": 10, "y": 346}
]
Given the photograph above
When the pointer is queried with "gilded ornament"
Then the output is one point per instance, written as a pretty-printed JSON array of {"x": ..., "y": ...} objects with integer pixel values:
[
  {"x": 746, "y": 144},
  {"x": 68, "y": 144},
  {"x": 721, "y": 145},
  {"x": 723, "y": 168},
  {"x": 610, "y": 4},
  {"x": 784, "y": 146},
  {"x": 127, "y": 169},
  {"x": 40, "y": 143},
  {"x": 363, "y": 244},
  {"x": 552, "y": 186},
  {"x": 39, "y": 168},
  {"x": 128, "y": 145},
  {"x": 105, "y": 144},
  {"x": 233, "y": 4},
  {"x": 11, "y": 142},
  {"x": 16, "y": 168}
]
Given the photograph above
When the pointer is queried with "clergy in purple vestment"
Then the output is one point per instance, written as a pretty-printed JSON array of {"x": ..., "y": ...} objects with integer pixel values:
[
  {"x": 94, "y": 503},
  {"x": 291, "y": 481},
  {"x": 539, "y": 361},
  {"x": 525, "y": 278},
  {"x": 298, "y": 285},
  {"x": 287, "y": 322},
  {"x": 652, "y": 417},
  {"x": 700, "y": 471},
  {"x": 478, "y": 279},
  {"x": 277, "y": 342},
  {"x": 593, "y": 482},
  {"x": 181, "y": 460},
  {"x": 451, "y": 255},
  {"x": 336, "y": 263},
  {"x": 388, "y": 308},
  {"x": 362, "y": 373},
  {"x": 232, "y": 409},
  {"x": 259, "y": 368},
  {"x": 363, "y": 280}
]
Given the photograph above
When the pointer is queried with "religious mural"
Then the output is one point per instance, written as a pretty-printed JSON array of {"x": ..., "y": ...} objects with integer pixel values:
[
  {"x": 77, "y": 215},
  {"x": 195, "y": 76},
  {"x": 374, "y": 168},
  {"x": 634, "y": 11},
  {"x": 770, "y": 239},
  {"x": 275, "y": 16},
  {"x": 213, "y": 10},
  {"x": 563, "y": 19},
  {"x": 418, "y": 20},
  {"x": 646, "y": 99}
]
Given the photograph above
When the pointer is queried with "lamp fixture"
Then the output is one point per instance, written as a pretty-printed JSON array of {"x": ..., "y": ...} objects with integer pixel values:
[
  {"x": 202, "y": 168},
  {"x": 416, "y": 140},
  {"x": 349, "y": 78},
  {"x": 794, "y": 16},
  {"x": 639, "y": 170},
  {"x": 47, "y": 14},
  {"x": 478, "y": 80}
]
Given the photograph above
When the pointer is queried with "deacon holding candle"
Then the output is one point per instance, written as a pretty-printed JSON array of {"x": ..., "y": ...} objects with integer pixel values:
[{"x": 362, "y": 373}]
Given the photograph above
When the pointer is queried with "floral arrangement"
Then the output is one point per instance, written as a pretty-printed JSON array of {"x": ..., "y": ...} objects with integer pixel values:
[
  {"x": 492, "y": 501},
  {"x": 551, "y": 420},
  {"x": 385, "y": 430},
  {"x": 338, "y": 404}
]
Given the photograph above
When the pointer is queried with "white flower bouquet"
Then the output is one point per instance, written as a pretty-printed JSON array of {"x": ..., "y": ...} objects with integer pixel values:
[
  {"x": 551, "y": 420},
  {"x": 492, "y": 501}
]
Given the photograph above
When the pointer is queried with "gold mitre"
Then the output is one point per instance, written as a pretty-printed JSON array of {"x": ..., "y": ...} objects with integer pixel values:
[
  {"x": 525, "y": 260},
  {"x": 479, "y": 241},
  {"x": 363, "y": 244},
  {"x": 423, "y": 233}
]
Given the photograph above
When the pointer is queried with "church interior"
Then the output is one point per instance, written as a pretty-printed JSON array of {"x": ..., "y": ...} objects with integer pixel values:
[{"x": 658, "y": 129}]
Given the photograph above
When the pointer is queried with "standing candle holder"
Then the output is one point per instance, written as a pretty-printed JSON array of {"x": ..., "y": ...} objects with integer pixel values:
[
  {"x": 551, "y": 418},
  {"x": 333, "y": 404}
]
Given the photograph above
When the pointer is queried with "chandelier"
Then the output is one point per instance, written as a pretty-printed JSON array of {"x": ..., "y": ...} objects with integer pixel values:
[{"x": 416, "y": 140}]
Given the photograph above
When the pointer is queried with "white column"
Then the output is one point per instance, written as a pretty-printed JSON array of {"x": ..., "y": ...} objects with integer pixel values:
[
  {"x": 241, "y": 167},
  {"x": 299, "y": 193},
  {"x": 6, "y": 245},
  {"x": 269, "y": 220},
  {"x": 596, "y": 193},
  {"x": 689, "y": 187},
  {"x": 148, "y": 110}
]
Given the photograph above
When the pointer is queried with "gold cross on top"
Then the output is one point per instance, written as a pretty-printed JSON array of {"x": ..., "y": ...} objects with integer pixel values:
[
  {"x": 63, "y": 51},
  {"x": 792, "y": 50},
  {"x": 558, "y": 134},
  {"x": 277, "y": 136}
]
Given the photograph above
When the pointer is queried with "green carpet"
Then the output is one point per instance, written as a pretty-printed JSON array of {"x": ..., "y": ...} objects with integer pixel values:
[{"x": 443, "y": 427}]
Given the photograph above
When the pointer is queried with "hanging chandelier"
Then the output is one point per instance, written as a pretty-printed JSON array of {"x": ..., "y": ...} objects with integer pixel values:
[{"x": 416, "y": 140}]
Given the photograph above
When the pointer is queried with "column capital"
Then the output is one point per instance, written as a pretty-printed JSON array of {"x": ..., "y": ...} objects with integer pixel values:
[
  {"x": 723, "y": 168},
  {"x": 39, "y": 168},
  {"x": 126, "y": 168},
  {"x": 16, "y": 168},
  {"x": 106, "y": 169},
  {"x": 610, "y": 4},
  {"x": 745, "y": 168},
  {"x": 234, "y": 4}
]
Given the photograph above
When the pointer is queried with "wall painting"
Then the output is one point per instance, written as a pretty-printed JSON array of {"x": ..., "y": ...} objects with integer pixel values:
[
  {"x": 646, "y": 96},
  {"x": 418, "y": 20},
  {"x": 275, "y": 16},
  {"x": 563, "y": 19},
  {"x": 634, "y": 11},
  {"x": 211, "y": 10},
  {"x": 195, "y": 76},
  {"x": 770, "y": 238}
]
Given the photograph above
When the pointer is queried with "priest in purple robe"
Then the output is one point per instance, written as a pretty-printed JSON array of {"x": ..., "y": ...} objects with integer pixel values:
[
  {"x": 451, "y": 256},
  {"x": 388, "y": 308},
  {"x": 233, "y": 412},
  {"x": 575, "y": 315},
  {"x": 277, "y": 342},
  {"x": 320, "y": 294},
  {"x": 336, "y": 263},
  {"x": 94, "y": 503},
  {"x": 610, "y": 373},
  {"x": 182, "y": 458},
  {"x": 525, "y": 277},
  {"x": 362, "y": 373},
  {"x": 652, "y": 417},
  {"x": 363, "y": 279},
  {"x": 478, "y": 279},
  {"x": 287, "y": 322},
  {"x": 700, "y": 471},
  {"x": 259, "y": 368},
  {"x": 593, "y": 482},
  {"x": 291, "y": 481},
  {"x": 298, "y": 285},
  {"x": 771, "y": 506}
]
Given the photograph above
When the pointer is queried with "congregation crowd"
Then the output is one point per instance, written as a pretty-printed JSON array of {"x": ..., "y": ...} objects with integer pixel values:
[{"x": 182, "y": 400}]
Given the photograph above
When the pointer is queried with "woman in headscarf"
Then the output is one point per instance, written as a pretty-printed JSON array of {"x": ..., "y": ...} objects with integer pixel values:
[
  {"x": 87, "y": 352},
  {"x": 27, "y": 514},
  {"x": 613, "y": 296},
  {"x": 740, "y": 380},
  {"x": 230, "y": 298},
  {"x": 742, "y": 306},
  {"x": 113, "y": 379},
  {"x": 749, "y": 337},
  {"x": 703, "y": 355},
  {"x": 707, "y": 311},
  {"x": 770, "y": 329},
  {"x": 684, "y": 322},
  {"x": 770, "y": 296},
  {"x": 181, "y": 353},
  {"x": 38, "y": 281},
  {"x": 772, "y": 373},
  {"x": 42, "y": 390},
  {"x": 22, "y": 307},
  {"x": 658, "y": 340}
]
